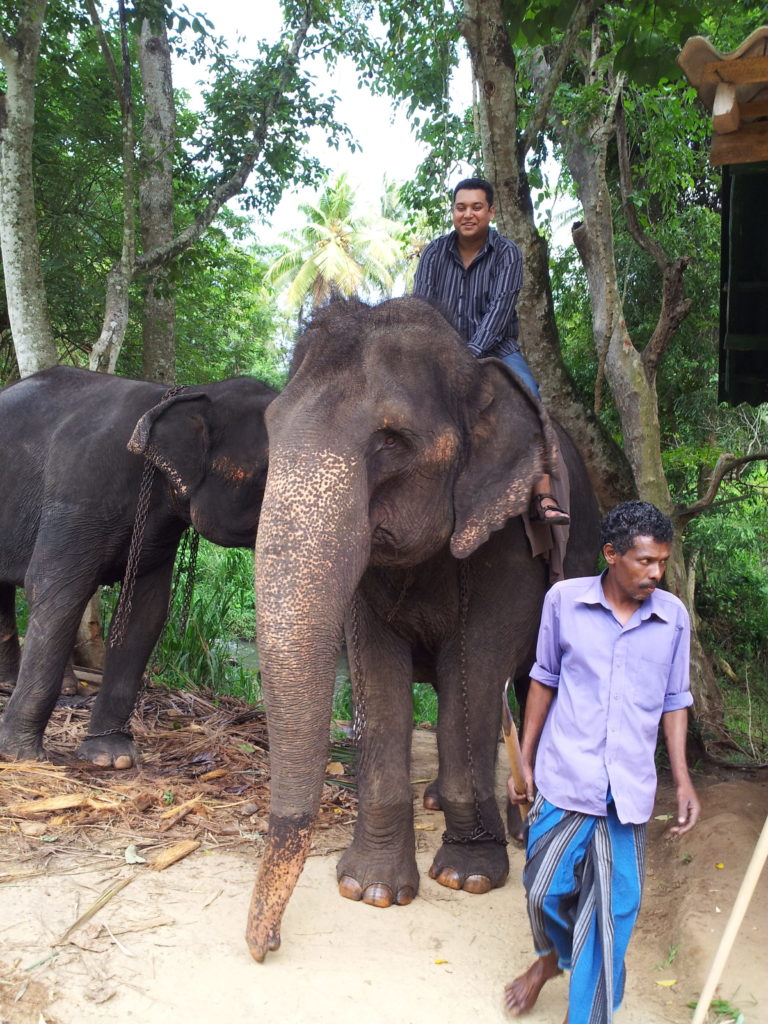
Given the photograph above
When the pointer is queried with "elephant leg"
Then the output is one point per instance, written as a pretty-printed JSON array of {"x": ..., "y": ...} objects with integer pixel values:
[
  {"x": 10, "y": 653},
  {"x": 473, "y": 856},
  {"x": 379, "y": 867},
  {"x": 109, "y": 742},
  {"x": 54, "y": 612}
]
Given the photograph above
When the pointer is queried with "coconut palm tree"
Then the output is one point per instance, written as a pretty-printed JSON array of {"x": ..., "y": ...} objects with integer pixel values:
[{"x": 338, "y": 250}]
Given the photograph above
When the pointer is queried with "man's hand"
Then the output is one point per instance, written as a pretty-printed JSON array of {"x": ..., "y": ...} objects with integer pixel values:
[
  {"x": 688, "y": 809},
  {"x": 530, "y": 789}
]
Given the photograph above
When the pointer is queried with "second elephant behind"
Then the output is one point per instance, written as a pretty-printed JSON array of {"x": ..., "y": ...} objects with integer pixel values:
[
  {"x": 73, "y": 448},
  {"x": 399, "y": 469}
]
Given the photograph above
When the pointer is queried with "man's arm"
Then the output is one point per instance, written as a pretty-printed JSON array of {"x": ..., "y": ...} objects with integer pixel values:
[
  {"x": 675, "y": 725},
  {"x": 422, "y": 281},
  {"x": 502, "y": 305},
  {"x": 537, "y": 707}
]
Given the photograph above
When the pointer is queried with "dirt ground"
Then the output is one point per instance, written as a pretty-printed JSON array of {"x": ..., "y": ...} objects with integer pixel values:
[{"x": 169, "y": 944}]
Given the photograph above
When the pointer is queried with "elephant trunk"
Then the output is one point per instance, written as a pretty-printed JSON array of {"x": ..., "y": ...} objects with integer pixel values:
[{"x": 311, "y": 550}]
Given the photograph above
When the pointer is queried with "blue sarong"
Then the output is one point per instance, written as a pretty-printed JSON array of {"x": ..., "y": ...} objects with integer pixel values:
[{"x": 583, "y": 878}]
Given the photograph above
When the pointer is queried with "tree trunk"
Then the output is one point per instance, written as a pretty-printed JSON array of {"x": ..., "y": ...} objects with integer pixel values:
[
  {"x": 24, "y": 287},
  {"x": 631, "y": 379},
  {"x": 493, "y": 64},
  {"x": 156, "y": 202}
]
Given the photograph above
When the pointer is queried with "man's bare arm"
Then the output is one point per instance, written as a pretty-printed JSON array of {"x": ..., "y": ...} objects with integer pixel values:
[
  {"x": 675, "y": 725},
  {"x": 537, "y": 707}
]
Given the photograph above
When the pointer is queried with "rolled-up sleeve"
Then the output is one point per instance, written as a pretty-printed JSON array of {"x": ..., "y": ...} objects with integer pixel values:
[
  {"x": 678, "y": 694},
  {"x": 546, "y": 668}
]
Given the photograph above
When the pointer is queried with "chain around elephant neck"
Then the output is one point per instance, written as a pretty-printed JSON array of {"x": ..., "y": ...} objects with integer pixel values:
[{"x": 125, "y": 603}]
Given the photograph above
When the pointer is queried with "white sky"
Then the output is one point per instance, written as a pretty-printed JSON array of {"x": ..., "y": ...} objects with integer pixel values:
[{"x": 388, "y": 150}]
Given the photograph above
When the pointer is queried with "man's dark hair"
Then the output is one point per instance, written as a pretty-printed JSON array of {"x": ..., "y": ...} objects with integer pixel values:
[
  {"x": 634, "y": 519},
  {"x": 475, "y": 183}
]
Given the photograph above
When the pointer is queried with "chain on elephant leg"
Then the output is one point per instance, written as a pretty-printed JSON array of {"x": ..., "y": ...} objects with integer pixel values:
[{"x": 472, "y": 857}]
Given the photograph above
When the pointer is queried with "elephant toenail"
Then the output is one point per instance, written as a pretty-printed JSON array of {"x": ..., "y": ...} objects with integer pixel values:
[
  {"x": 405, "y": 895},
  {"x": 477, "y": 884},
  {"x": 350, "y": 888},
  {"x": 378, "y": 895}
]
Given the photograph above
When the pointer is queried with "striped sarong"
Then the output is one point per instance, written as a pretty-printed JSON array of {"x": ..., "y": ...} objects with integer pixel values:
[{"x": 583, "y": 879}]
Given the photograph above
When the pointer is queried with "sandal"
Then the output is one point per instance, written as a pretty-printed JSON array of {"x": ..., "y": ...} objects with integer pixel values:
[{"x": 561, "y": 518}]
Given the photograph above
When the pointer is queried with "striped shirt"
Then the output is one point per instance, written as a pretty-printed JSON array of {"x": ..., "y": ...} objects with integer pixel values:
[{"x": 480, "y": 300}]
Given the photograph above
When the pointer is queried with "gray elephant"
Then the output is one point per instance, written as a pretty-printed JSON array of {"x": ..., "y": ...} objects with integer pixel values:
[
  {"x": 73, "y": 447},
  {"x": 399, "y": 469}
]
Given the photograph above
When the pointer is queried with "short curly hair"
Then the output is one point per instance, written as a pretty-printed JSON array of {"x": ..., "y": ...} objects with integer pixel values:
[{"x": 634, "y": 519}]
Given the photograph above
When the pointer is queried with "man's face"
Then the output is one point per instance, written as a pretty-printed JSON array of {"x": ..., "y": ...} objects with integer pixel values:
[
  {"x": 639, "y": 570},
  {"x": 471, "y": 214}
]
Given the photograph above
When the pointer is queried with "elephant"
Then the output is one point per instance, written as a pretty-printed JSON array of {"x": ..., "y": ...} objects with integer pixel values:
[
  {"x": 75, "y": 445},
  {"x": 400, "y": 467}
]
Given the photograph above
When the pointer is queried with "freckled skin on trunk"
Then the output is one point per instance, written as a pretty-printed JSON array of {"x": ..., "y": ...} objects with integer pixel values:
[{"x": 281, "y": 865}]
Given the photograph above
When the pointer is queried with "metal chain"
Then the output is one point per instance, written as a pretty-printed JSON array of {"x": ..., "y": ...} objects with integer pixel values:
[
  {"x": 479, "y": 833},
  {"x": 188, "y": 552},
  {"x": 125, "y": 602},
  {"x": 359, "y": 713}
]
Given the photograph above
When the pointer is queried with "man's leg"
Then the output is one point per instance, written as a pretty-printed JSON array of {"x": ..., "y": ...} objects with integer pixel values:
[
  {"x": 546, "y": 508},
  {"x": 557, "y": 844},
  {"x": 606, "y": 915}
]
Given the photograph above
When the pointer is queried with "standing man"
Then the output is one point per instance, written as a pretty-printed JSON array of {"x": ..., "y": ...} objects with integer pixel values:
[
  {"x": 611, "y": 661},
  {"x": 474, "y": 275}
]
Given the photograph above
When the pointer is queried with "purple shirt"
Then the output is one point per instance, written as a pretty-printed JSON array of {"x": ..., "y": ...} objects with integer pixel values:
[{"x": 613, "y": 684}]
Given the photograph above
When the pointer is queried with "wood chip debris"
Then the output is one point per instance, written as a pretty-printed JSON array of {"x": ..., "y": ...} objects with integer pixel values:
[{"x": 203, "y": 777}]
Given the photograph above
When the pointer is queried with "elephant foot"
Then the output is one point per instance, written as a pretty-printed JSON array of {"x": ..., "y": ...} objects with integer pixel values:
[
  {"x": 113, "y": 751},
  {"x": 473, "y": 867},
  {"x": 377, "y": 894},
  {"x": 380, "y": 872},
  {"x": 17, "y": 746},
  {"x": 432, "y": 797}
]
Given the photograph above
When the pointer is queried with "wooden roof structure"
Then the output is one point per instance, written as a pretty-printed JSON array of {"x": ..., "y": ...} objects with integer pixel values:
[{"x": 734, "y": 89}]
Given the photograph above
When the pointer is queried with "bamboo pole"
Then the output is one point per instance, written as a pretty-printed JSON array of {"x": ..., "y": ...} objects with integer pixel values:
[{"x": 743, "y": 897}]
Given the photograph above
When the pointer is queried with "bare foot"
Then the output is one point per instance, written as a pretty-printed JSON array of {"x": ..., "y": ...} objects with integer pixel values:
[{"x": 521, "y": 994}]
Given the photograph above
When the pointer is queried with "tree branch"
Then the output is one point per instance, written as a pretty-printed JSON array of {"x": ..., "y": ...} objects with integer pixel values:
[
  {"x": 725, "y": 464},
  {"x": 674, "y": 306},
  {"x": 109, "y": 60},
  {"x": 576, "y": 23},
  {"x": 162, "y": 254}
]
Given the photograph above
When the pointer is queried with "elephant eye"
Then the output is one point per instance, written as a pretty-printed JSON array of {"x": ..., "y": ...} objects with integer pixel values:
[{"x": 390, "y": 441}]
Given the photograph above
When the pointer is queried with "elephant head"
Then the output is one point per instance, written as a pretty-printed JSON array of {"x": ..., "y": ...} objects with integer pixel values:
[
  {"x": 210, "y": 443},
  {"x": 390, "y": 443}
]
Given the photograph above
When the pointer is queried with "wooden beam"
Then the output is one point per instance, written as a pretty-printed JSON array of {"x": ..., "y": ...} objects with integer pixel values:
[
  {"x": 743, "y": 71},
  {"x": 725, "y": 109},
  {"x": 746, "y": 146}
]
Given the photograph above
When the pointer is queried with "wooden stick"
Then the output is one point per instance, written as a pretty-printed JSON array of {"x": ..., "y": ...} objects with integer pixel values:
[
  {"x": 170, "y": 856},
  {"x": 514, "y": 755},
  {"x": 743, "y": 897}
]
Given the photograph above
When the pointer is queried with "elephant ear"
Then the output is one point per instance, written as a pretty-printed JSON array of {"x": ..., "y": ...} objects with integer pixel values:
[
  {"x": 173, "y": 435},
  {"x": 511, "y": 445}
]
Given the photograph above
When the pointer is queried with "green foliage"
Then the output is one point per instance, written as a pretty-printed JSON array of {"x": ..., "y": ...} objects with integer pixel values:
[{"x": 221, "y": 613}]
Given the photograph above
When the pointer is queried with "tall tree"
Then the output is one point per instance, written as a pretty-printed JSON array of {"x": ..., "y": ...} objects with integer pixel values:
[
  {"x": 24, "y": 287},
  {"x": 156, "y": 199}
]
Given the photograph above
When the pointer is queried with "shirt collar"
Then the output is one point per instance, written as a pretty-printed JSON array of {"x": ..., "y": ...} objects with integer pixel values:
[
  {"x": 595, "y": 595},
  {"x": 489, "y": 242}
]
